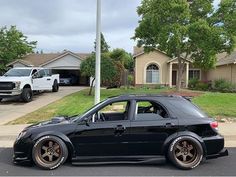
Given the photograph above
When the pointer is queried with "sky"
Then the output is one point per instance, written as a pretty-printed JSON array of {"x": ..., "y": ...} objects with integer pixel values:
[{"x": 71, "y": 24}]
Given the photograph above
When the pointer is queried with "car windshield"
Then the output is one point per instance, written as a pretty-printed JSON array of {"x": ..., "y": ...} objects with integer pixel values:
[{"x": 18, "y": 72}]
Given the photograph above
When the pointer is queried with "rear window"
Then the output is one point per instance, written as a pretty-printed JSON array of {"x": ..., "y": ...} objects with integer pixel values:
[{"x": 187, "y": 108}]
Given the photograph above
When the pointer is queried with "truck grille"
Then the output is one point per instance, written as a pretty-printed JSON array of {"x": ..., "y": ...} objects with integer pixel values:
[{"x": 7, "y": 85}]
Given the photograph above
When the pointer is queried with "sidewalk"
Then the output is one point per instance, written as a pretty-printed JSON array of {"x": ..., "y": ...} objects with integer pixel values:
[{"x": 8, "y": 134}]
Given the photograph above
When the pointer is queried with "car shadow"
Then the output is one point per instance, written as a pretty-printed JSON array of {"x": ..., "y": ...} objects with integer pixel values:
[{"x": 6, "y": 155}]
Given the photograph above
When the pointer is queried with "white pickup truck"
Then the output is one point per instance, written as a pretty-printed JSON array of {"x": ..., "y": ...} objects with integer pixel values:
[{"x": 24, "y": 81}]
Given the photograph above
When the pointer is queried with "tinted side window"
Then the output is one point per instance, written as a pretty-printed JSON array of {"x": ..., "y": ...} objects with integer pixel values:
[
  {"x": 41, "y": 73},
  {"x": 48, "y": 72},
  {"x": 186, "y": 108},
  {"x": 112, "y": 112},
  {"x": 147, "y": 110}
]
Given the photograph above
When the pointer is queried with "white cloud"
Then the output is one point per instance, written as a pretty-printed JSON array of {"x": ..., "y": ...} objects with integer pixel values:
[{"x": 71, "y": 24}]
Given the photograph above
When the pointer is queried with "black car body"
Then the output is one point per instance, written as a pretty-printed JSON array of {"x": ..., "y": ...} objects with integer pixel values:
[{"x": 146, "y": 128}]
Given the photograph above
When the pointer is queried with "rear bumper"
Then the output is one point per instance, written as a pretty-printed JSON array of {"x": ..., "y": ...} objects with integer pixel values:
[
  {"x": 215, "y": 147},
  {"x": 222, "y": 153}
]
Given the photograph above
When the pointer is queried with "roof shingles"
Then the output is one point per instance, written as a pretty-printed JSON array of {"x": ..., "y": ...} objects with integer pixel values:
[{"x": 40, "y": 59}]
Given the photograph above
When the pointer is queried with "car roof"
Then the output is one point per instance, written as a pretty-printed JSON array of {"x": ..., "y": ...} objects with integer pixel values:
[{"x": 148, "y": 96}]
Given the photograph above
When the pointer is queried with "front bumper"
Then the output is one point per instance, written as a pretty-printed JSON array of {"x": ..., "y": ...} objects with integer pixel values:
[
  {"x": 9, "y": 93},
  {"x": 22, "y": 151}
]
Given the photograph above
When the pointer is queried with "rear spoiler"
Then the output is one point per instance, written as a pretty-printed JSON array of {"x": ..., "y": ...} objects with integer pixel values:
[{"x": 189, "y": 98}]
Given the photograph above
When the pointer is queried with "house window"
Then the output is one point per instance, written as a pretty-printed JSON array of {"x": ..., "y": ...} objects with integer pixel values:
[
  {"x": 152, "y": 74},
  {"x": 194, "y": 74}
]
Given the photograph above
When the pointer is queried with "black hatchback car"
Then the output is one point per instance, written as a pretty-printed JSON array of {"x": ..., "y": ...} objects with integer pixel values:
[{"x": 124, "y": 129}]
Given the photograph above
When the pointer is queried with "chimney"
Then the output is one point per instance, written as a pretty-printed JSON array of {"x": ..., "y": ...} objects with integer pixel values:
[{"x": 137, "y": 50}]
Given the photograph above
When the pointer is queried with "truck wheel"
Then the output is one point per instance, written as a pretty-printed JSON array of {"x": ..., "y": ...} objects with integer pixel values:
[
  {"x": 49, "y": 152},
  {"x": 185, "y": 152},
  {"x": 55, "y": 86},
  {"x": 27, "y": 95}
]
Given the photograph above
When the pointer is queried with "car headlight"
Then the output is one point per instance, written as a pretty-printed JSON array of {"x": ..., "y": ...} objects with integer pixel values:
[
  {"x": 21, "y": 134},
  {"x": 17, "y": 84}
]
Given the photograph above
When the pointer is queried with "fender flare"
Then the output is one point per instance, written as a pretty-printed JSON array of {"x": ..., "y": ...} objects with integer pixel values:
[
  {"x": 60, "y": 135},
  {"x": 172, "y": 137}
]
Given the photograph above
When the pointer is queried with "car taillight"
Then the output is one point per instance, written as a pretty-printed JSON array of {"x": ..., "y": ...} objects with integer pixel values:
[{"x": 214, "y": 125}]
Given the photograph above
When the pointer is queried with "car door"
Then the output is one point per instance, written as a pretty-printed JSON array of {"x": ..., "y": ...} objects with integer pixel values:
[
  {"x": 150, "y": 127},
  {"x": 102, "y": 137},
  {"x": 40, "y": 80},
  {"x": 36, "y": 80}
]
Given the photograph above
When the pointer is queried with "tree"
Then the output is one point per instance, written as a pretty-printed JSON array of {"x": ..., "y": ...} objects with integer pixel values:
[
  {"x": 108, "y": 69},
  {"x": 187, "y": 29},
  {"x": 104, "y": 46},
  {"x": 13, "y": 45},
  {"x": 123, "y": 57}
]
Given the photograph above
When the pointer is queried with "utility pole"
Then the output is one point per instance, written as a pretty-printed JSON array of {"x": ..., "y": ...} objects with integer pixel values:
[{"x": 98, "y": 54}]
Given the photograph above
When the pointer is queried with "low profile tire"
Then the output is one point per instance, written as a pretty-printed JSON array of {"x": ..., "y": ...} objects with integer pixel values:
[
  {"x": 49, "y": 152},
  {"x": 55, "y": 86},
  {"x": 27, "y": 95},
  {"x": 185, "y": 152}
]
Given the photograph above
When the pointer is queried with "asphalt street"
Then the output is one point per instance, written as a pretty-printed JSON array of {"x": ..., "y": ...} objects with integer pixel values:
[{"x": 224, "y": 166}]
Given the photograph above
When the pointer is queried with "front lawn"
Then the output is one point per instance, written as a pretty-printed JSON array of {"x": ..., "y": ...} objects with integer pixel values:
[
  {"x": 215, "y": 104},
  {"x": 76, "y": 103}
]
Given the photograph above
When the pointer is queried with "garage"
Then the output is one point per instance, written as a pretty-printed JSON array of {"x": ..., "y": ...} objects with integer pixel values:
[
  {"x": 66, "y": 64},
  {"x": 71, "y": 77}
]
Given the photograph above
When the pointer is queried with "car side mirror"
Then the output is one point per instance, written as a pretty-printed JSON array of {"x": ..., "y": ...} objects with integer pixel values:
[{"x": 86, "y": 121}]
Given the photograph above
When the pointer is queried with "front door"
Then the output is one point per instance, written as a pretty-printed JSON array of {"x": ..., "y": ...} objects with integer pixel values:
[
  {"x": 174, "y": 77},
  {"x": 106, "y": 134}
]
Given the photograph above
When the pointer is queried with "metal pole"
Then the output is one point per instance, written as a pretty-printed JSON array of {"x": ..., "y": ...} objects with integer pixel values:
[{"x": 98, "y": 54}]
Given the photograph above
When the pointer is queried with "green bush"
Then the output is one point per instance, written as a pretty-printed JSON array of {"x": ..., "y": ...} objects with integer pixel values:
[
  {"x": 223, "y": 85},
  {"x": 192, "y": 83},
  {"x": 202, "y": 86},
  {"x": 130, "y": 80}
]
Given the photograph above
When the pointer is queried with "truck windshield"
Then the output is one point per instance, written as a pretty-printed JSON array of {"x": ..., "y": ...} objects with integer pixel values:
[{"x": 18, "y": 72}]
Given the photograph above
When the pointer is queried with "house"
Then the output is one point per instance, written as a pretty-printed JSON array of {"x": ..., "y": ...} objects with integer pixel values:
[
  {"x": 65, "y": 63},
  {"x": 157, "y": 68}
]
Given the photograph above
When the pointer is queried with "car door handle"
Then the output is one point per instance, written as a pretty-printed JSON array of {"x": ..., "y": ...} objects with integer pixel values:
[
  {"x": 48, "y": 79},
  {"x": 169, "y": 124},
  {"x": 120, "y": 128}
]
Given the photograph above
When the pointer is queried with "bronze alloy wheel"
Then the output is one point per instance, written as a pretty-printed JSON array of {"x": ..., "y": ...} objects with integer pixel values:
[
  {"x": 49, "y": 152},
  {"x": 185, "y": 152}
]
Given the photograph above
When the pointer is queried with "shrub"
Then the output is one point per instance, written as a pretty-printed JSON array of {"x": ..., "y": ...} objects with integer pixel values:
[
  {"x": 192, "y": 83},
  {"x": 223, "y": 85},
  {"x": 202, "y": 86},
  {"x": 130, "y": 80}
]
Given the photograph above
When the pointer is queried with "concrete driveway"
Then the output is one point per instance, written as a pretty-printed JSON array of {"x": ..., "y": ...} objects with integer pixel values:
[{"x": 12, "y": 109}]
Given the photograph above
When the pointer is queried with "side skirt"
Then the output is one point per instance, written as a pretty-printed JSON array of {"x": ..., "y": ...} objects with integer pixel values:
[{"x": 89, "y": 160}]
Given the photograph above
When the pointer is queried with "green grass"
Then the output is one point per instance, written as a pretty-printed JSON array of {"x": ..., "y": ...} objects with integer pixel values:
[
  {"x": 217, "y": 104},
  {"x": 76, "y": 103}
]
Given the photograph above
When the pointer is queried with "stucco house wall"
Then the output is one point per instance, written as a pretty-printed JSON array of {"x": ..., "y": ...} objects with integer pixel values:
[
  {"x": 227, "y": 72},
  {"x": 18, "y": 64},
  {"x": 66, "y": 62},
  {"x": 142, "y": 61}
]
